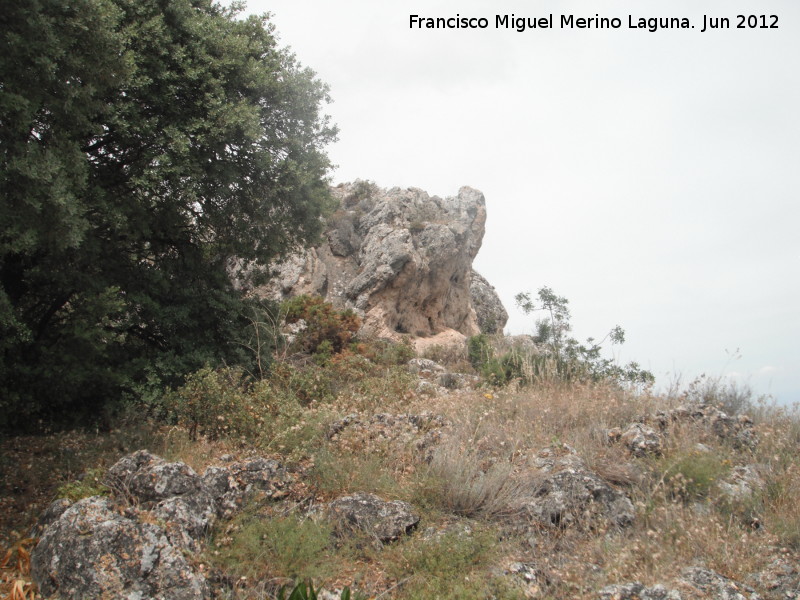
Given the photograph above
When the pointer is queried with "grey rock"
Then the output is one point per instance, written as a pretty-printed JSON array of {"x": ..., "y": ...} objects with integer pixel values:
[
  {"x": 399, "y": 257},
  {"x": 637, "y": 591},
  {"x": 148, "y": 478},
  {"x": 425, "y": 367},
  {"x": 641, "y": 440},
  {"x": 567, "y": 494},
  {"x": 385, "y": 520},
  {"x": 492, "y": 315},
  {"x": 736, "y": 430},
  {"x": 137, "y": 548},
  {"x": 230, "y": 486},
  {"x": 187, "y": 519},
  {"x": 457, "y": 381},
  {"x": 51, "y": 514},
  {"x": 716, "y": 586},
  {"x": 780, "y": 580},
  {"x": 91, "y": 551},
  {"x": 742, "y": 483}
]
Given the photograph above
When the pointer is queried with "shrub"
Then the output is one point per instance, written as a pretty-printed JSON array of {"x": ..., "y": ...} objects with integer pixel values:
[
  {"x": 215, "y": 403},
  {"x": 693, "y": 476},
  {"x": 255, "y": 546},
  {"x": 457, "y": 481},
  {"x": 305, "y": 591},
  {"x": 451, "y": 565},
  {"x": 479, "y": 351},
  {"x": 327, "y": 330},
  {"x": 572, "y": 360}
]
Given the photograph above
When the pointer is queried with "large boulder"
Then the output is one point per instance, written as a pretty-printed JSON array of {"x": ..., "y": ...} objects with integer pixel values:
[
  {"x": 402, "y": 259},
  {"x": 93, "y": 551},
  {"x": 134, "y": 545}
]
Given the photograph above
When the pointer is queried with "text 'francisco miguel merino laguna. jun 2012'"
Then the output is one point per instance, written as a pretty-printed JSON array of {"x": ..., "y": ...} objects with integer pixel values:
[{"x": 652, "y": 24}]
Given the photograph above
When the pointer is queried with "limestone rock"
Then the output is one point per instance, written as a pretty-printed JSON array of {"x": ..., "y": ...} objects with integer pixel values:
[
  {"x": 402, "y": 259},
  {"x": 714, "y": 585},
  {"x": 230, "y": 485},
  {"x": 91, "y": 551},
  {"x": 134, "y": 545},
  {"x": 568, "y": 494},
  {"x": 742, "y": 483},
  {"x": 737, "y": 430},
  {"x": 386, "y": 521},
  {"x": 780, "y": 580},
  {"x": 637, "y": 591},
  {"x": 491, "y": 313},
  {"x": 640, "y": 440}
]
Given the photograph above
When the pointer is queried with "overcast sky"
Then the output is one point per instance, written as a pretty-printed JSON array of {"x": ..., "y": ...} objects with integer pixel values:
[{"x": 652, "y": 178}]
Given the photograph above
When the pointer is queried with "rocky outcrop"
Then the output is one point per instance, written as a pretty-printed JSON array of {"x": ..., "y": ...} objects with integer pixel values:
[
  {"x": 491, "y": 313},
  {"x": 637, "y": 591},
  {"x": 402, "y": 259},
  {"x": 92, "y": 551},
  {"x": 565, "y": 493},
  {"x": 694, "y": 582},
  {"x": 639, "y": 439},
  {"x": 135, "y": 543},
  {"x": 735, "y": 430}
]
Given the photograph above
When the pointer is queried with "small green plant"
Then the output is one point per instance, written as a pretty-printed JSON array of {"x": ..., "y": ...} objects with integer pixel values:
[
  {"x": 255, "y": 546},
  {"x": 305, "y": 591},
  {"x": 693, "y": 476},
  {"x": 449, "y": 565},
  {"x": 91, "y": 484},
  {"x": 479, "y": 351}
]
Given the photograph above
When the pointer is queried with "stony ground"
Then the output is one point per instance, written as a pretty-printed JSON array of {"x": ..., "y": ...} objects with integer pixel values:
[{"x": 422, "y": 490}]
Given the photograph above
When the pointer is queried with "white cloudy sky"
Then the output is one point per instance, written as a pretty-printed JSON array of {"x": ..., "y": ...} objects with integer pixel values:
[{"x": 651, "y": 178}]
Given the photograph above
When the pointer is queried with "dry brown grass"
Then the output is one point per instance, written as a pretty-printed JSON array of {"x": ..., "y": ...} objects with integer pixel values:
[{"x": 682, "y": 518}]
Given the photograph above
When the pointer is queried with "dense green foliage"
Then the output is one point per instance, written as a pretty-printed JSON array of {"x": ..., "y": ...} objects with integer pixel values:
[
  {"x": 145, "y": 144},
  {"x": 325, "y": 330}
]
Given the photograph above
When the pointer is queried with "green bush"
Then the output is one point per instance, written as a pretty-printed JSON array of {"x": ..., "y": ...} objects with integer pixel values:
[
  {"x": 327, "y": 330},
  {"x": 479, "y": 351},
  {"x": 451, "y": 565},
  {"x": 305, "y": 591},
  {"x": 215, "y": 403}
]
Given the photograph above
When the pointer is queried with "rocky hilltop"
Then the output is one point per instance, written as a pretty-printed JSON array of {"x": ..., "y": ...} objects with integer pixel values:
[{"x": 403, "y": 260}]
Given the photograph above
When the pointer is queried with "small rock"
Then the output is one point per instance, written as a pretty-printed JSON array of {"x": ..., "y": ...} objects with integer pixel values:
[
  {"x": 641, "y": 440},
  {"x": 567, "y": 493},
  {"x": 637, "y": 591},
  {"x": 386, "y": 521},
  {"x": 742, "y": 483}
]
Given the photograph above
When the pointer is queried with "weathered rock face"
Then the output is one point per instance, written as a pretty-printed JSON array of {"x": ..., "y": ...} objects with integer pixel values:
[
  {"x": 386, "y": 521},
  {"x": 567, "y": 494},
  {"x": 92, "y": 551},
  {"x": 402, "y": 258},
  {"x": 135, "y": 544},
  {"x": 491, "y": 313}
]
